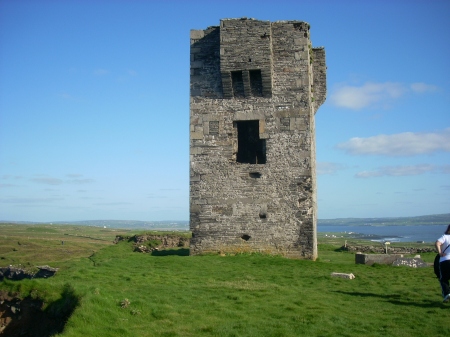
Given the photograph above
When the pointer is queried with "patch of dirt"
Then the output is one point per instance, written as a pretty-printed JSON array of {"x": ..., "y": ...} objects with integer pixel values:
[{"x": 26, "y": 317}]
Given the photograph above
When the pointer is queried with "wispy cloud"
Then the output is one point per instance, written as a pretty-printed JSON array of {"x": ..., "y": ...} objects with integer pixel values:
[
  {"x": 445, "y": 169},
  {"x": 119, "y": 203},
  {"x": 66, "y": 96},
  {"x": 401, "y": 144},
  {"x": 8, "y": 176},
  {"x": 74, "y": 175},
  {"x": 329, "y": 168},
  {"x": 80, "y": 181},
  {"x": 73, "y": 179},
  {"x": 7, "y": 185},
  {"x": 421, "y": 87},
  {"x": 398, "y": 171},
  {"x": 373, "y": 94},
  {"x": 47, "y": 180},
  {"x": 101, "y": 72},
  {"x": 29, "y": 200}
]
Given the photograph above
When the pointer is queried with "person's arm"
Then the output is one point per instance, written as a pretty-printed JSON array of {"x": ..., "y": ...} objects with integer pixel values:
[{"x": 438, "y": 247}]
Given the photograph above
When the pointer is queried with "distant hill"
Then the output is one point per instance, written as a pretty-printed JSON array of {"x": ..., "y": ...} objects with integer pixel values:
[
  {"x": 131, "y": 224},
  {"x": 435, "y": 219},
  {"x": 175, "y": 225}
]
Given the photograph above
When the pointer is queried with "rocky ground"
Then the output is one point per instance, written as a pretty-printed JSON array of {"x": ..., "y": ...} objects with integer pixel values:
[
  {"x": 146, "y": 243},
  {"x": 25, "y": 317}
]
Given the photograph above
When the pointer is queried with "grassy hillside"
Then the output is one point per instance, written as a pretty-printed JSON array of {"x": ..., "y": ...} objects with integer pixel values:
[{"x": 117, "y": 292}]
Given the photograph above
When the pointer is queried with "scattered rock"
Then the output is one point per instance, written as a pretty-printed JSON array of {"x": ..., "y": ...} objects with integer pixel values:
[
  {"x": 18, "y": 273},
  {"x": 45, "y": 271},
  {"x": 146, "y": 243},
  {"x": 15, "y": 273},
  {"x": 343, "y": 275},
  {"x": 391, "y": 250},
  {"x": 410, "y": 262}
]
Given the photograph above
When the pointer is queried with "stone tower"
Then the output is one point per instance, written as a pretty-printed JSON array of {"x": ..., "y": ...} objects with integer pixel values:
[{"x": 254, "y": 89}]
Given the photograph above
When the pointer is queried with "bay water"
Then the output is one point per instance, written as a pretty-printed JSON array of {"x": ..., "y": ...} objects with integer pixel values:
[{"x": 419, "y": 233}]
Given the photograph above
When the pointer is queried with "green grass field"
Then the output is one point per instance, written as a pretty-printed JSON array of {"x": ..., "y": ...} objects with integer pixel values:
[{"x": 121, "y": 293}]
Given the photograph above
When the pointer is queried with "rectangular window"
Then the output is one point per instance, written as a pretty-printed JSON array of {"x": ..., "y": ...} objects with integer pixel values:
[
  {"x": 251, "y": 149},
  {"x": 237, "y": 83},
  {"x": 256, "y": 82},
  {"x": 213, "y": 127}
]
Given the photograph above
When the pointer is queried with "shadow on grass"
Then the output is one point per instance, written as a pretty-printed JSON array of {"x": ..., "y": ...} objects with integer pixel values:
[
  {"x": 167, "y": 252},
  {"x": 398, "y": 300},
  {"x": 28, "y": 319}
]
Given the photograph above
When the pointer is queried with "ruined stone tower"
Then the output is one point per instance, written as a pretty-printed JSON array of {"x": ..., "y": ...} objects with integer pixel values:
[{"x": 255, "y": 87}]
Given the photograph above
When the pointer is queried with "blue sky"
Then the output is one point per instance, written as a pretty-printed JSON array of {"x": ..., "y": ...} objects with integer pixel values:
[{"x": 94, "y": 106}]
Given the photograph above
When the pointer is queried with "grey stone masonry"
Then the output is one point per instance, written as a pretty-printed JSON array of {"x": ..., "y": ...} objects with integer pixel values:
[{"x": 254, "y": 89}]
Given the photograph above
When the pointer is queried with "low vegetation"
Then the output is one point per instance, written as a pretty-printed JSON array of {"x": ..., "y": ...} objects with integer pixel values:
[{"x": 109, "y": 290}]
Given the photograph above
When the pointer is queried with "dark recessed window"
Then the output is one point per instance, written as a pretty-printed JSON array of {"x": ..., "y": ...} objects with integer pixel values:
[
  {"x": 251, "y": 149},
  {"x": 255, "y": 82},
  {"x": 237, "y": 83}
]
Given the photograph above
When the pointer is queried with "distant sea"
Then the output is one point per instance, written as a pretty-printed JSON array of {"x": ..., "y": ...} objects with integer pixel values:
[{"x": 426, "y": 233}]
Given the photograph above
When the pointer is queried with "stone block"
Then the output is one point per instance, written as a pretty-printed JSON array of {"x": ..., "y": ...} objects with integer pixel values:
[
  {"x": 197, "y": 34},
  {"x": 370, "y": 259}
]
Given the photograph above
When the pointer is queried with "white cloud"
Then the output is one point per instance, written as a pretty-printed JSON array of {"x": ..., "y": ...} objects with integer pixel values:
[
  {"x": 372, "y": 94},
  {"x": 401, "y": 144},
  {"x": 329, "y": 168},
  {"x": 398, "y": 171}
]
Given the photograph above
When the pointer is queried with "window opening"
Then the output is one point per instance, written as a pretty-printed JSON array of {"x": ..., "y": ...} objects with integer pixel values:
[
  {"x": 245, "y": 237},
  {"x": 213, "y": 127},
  {"x": 251, "y": 149},
  {"x": 237, "y": 83},
  {"x": 256, "y": 82}
]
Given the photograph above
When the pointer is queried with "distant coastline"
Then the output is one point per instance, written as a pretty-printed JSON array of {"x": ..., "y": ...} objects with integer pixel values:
[{"x": 423, "y": 220}]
